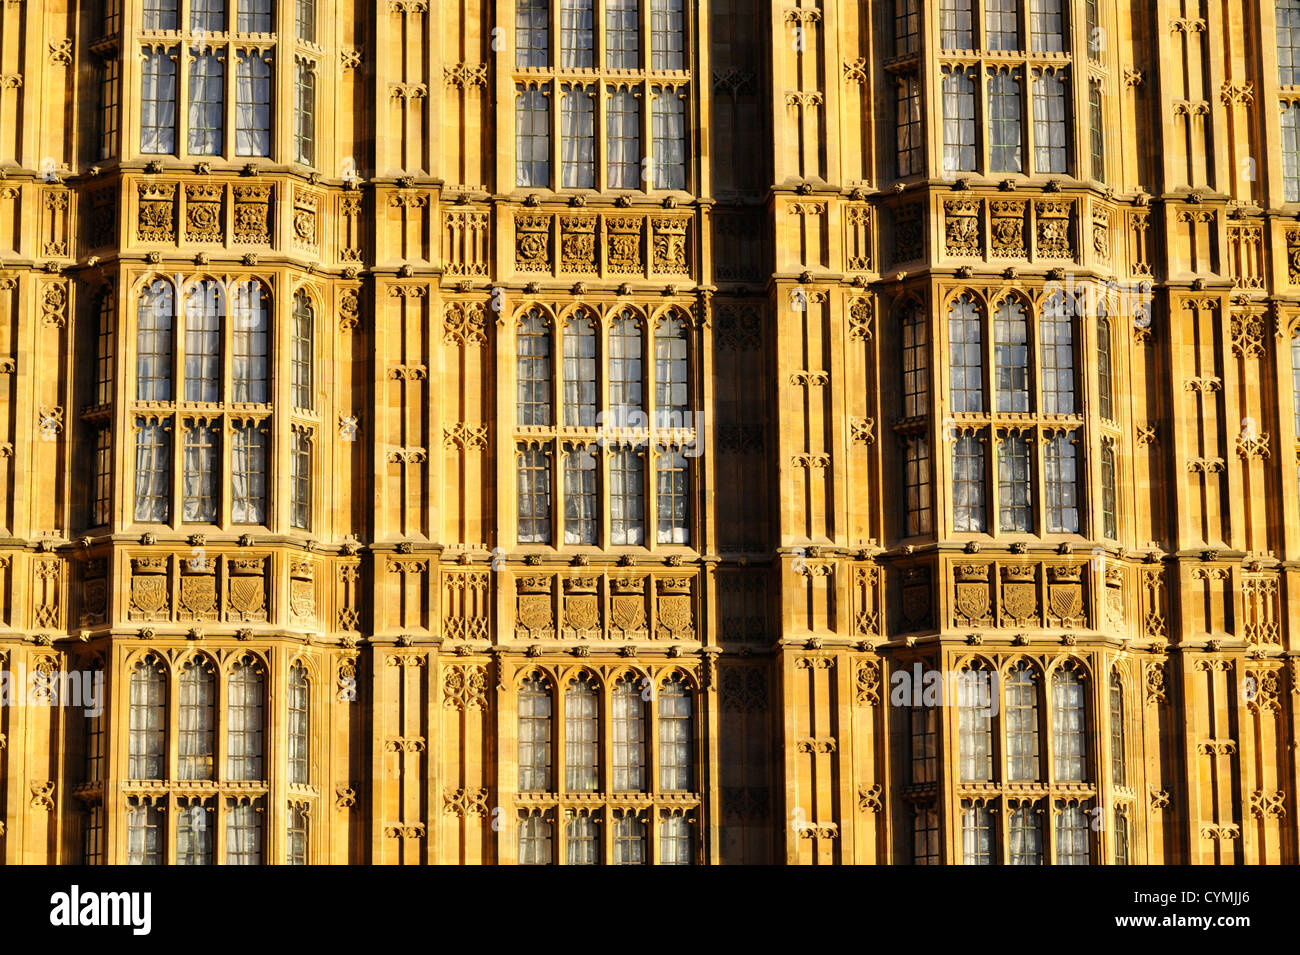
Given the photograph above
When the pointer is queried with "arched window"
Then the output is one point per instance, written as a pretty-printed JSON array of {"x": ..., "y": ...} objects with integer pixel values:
[
  {"x": 1118, "y": 774},
  {"x": 1011, "y": 355},
  {"x": 1022, "y": 724},
  {"x": 1073, "y": 835},
  {"x": 249, "y": 309},
  {"x": 625, "y": 369},
  {"x": 975, "y": 708},
  {"x": 535, "y": 840},
  {"x": 581, "y": 736},
  {"x": 245, "y": 721},
  {"x": 966, "y": 355},
  {"x": 675, "y": 840},
  {"x": 153, "y": 343},
  {"x": 535, "y": 736},
  {"x": 629, "y": 839},
  {"x": 582, "y": 840},
  {"x": 1026, "y": 836},
  {"x": 630, "y": 736},
  {"x": 1057, "y": 334},
  {"x": 1105, "y": 391},
  {"x": 676, "y": 736},
  {"x": 1069, "y": 746},
  {"x": 916, "y": 361},
  {"x": 672, "y": 401},
  {"x": 203, "y": 342},
  {"x": 299, "y": 725},
  {"x": 301, "y": 352},
  {"x": 197, "y": 720},
  {"x": 533, "y": 369},
  {"x": 580, "y": 371},
  {"x": 147, "y": 753}
]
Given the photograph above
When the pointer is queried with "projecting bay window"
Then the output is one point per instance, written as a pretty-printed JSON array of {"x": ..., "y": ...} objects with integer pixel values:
[
  {"x": 300, "y": 474},
  {"x": 532, "y": 137},
  {"x": 1046, "y": 26},
  {"x": 1051, "y": 130},
  {"x": 958, "y": 121},
  {"x": 1061, "y": 482},
  {"x": 577, "y": 137},
  {"x": 955, "y": 25},
  {"x": 304, "y": 112},
  {"x": 908, "y": 142},
  {"x": 1286, "y": 14},
  {"x": 1002, "y": 24},
  {"x": 577, "y": 39},
  {"x": 158, "y": 100},
  {"x": 253, "y": 103},
  {"x": 202, "y": 471},
  {"x": 255, "y": 16},
  {"x": 607, "y": 751},
  {"x": 207, "y": 103},
  {"x": 248, "y": 471},
  {"x": 1005, "y": 136},
  {"x": 668, "y": 136},
  {"x": 977, "y": 844},
  {"x": 623, "y": 123},
  {"x": 153, "y": 453},
  {"x": 622, "y": 35}
]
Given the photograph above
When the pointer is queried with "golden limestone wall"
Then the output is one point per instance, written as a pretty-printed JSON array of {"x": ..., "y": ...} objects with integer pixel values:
[{"x": 418, "y": 668}]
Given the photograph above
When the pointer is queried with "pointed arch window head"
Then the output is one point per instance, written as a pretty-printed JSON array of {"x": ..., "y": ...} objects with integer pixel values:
[
  {"x": 1022, "y": 724},
  {"x": 533, "y": 371},
  {"x": 676, "y": 735},
  {"x": 966, "y": 355},
  {"x": 302, "y": 350},
  {"x": 154, "y": 343},
  {"x": 1011, "y": 355},
  {"x": 535, "y": 736},
  {"x": 299, "y": 723},
  {"x": 1057, "y": 353},
  {"x": 625, "y": 369},
  {"x": 245, "y": 705},
  {"x": 672, "y": 398},
  {"x": 630, "y": 736},
  {"x": 197, "y": 720},
  {"x": 581, "y": 736},
  {"x": 147, "y": 744},
  {"x": 250, "y": 310},
  {"x": 203, "y": 306},
  {"x": 1118, "y": 763},
  {"x": 580, "y": 371},
  {"x": 1105, "y": 375}
]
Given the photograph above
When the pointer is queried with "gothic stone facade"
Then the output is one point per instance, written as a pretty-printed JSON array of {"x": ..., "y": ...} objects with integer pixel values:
[{"x": 547, "y": 431}]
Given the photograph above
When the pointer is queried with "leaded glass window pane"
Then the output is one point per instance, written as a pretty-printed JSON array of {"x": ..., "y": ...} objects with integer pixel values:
[
  {"x": 147, "y": 747},
  {"x": 630, "y": 736},
  {"x": 577, "y": 46},
  {"x": 629, "y": 840},
  {"x": 925, "y": 836},
  {"x": 153, "y": 471},
  {"x": 253, "y": 105},
  {"x": 968, "y": 484},
  {"x": 296, "y": 849},
  {"x": 924, "y": 739},
  {"x": 1046, "y": 26},
  {"x": 1057, "y": 353},
  {"x": 300, "y": 467},
  {"x": 1105, "y": 388},
  {"x": 1072, "y": 836},
  {"x": 958, "y": 121},
  {"x": 1011, "y": 356},
  {"x": 1287, "y": 16},
  {"x": 668, "y": 134},
  {"x": 532, "y": 138},
  {"x": 676, "y": 736},
  {"x": 907, "y": 26},
  {"x": 1118, "y": 775},
  {"x": 1291, "y": 152},
  {"x": 535, "y": 840},
  {"x": 304, "y": 114},
  {"x": 301, "y": 351},
  {"x": 250, "y": 341},
  {"x": 623, "y": 122},
  {"x": 208, "y": 16},
  {"x": 1021, "y": 689},
  {"x": 299, "y": 725},
  {"x": 154, "y": 342},
  {"x": 622, "y": 35},
  {"x": 673, "y": 471},
  {"x": 254, "y": 16},
  {"x": 580, "y": 371},
  {"x": 907, "y": 126},
  {"x": 1026, "y": 833},
  {"x": 1069, "y": 746},
  {"x": 1050, "y": 128},
  {"x": 202, "y": 470},
  {"x": 578, "y": 138},
  {"x": 534, "y": 736},
  {"x": 1015, "y": 494},
  {"x": 581, "y": 736},
  {"x": 158, "y": 102},
  {"x": 207, "y": 104},
  {"x": 245, "y": 700},
  {"x": 1005, "y": 136},
  {"x": 194, "y": 835},
  {"x": 626, "y": 371},
  {"x": 244, "y": 835},
  {"x": 1002, "y": 24},
  {"x": 915, "y": 362},
  {"x": 1109, "y": 522},
  {"x": 966, "y": 355},
  {"x": 534, "y": 496},
  {"x": 955, "y": 25},
  {"x": 581, "y": 495},
  {"x": 975, "y": 726},
  {"x": 976, "y": 834},
  {"x": 582, "y": 841},
  {"x": 1061, "y": 483},
  {"x": 916, "y": 485},
  {"x": 627, "y": 497},
  {"x": 248, "y": 474},
  {"x": 161, "y": 14},
  {"x": 675, "y": 840},
  {"x": 532, "y": 33},
  {"x": 533, "y": 370},
  {"x": 203, "y": 342},
  {"x": 667, "y": 34},
  {"x": 672, "y": 401},
  {"x": 144, "y": 834}
]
